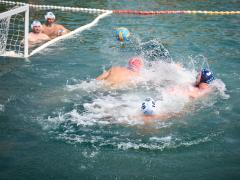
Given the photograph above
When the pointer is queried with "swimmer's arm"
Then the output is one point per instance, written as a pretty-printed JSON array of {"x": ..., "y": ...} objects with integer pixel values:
[
  {"x": 46, "y": 37},
  {"x": 191, "y": 93},
  {"x": 63, "y": 29},
  {"x": 103, "y": 76},
  {"x": 67, "y": 30},
  {"x": 197, "y": 93}
]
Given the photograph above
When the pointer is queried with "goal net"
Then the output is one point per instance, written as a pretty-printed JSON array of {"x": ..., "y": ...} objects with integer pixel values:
[
  {"x": 14, "y": 32},
  {"x": 14, "y": 25}
]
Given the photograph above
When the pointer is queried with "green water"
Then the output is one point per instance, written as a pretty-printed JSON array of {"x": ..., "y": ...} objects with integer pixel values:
[{"x": 50, "y": 123}]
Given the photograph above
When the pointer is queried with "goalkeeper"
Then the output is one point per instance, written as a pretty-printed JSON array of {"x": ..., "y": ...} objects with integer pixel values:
[
  {"x": 52, "y": 29},
  {"x": 36, "y": 37}
]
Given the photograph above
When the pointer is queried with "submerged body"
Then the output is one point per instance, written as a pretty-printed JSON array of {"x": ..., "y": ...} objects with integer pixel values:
[
  {"x": 190, "y": 91},
  {"x": 54, "y": 30},
  {"x": 117, "y": 76},
  {"x": 199, "y": 89},
  {"x": 122, "y": 76},
  {"x": 37, "y": 39}
]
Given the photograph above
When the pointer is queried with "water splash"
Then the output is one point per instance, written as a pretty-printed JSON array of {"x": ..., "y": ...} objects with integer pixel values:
[
  {"x": 120, "y": 104},
  {"x": 127, "y": 142},
  {"x": 154, "y": 50},
  {"x": 2, "y": 108},
  {"x": 102, "y": 117}
]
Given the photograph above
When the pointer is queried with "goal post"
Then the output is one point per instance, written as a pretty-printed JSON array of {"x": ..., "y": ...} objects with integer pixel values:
[{"x": 14, "y": 28}]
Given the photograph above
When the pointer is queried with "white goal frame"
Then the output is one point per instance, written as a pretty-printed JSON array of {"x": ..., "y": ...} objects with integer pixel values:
[{"x": 15, "y": 11}]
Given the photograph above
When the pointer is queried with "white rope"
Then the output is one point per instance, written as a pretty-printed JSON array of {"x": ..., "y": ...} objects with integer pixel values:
[
  {"x": 80, "y": 29},
  {"x": 62, "y": 8}
]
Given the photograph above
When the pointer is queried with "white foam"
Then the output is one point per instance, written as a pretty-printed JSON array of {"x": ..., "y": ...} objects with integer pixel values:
[
  {"x": 163, "y": 143},
  {"x": 221, "y": 88},
  {"x": 163, "y": 73},
  {"x": 106, "y": 108},
  {"x": 161, "y": 139},
  {"x": 52, "y": 122},
  {"x": 2, "y": 108},
  {"x": 88, "y": 86},
  {"x": 90, "y": 155},
  {"x": 122, "y": 142},
  {"x": 137, "y": 146},
  {"x": 119, "y": 106}
]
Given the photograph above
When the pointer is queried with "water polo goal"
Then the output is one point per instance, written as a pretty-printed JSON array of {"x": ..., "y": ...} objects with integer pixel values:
[{"x": 14, "y": 24}]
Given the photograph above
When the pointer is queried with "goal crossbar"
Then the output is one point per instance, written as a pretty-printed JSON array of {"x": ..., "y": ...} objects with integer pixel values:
[{"x": 14, "y": 11}]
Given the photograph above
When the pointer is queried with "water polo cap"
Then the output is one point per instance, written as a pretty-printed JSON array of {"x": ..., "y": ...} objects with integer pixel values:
[
  {"x": 206, "y": 76},
  {"x": 135, "y": 64},
  {"x": 49, "y": 15},
  {"x": 148, "y": 106},
  {"x": 35, "y": 23}
]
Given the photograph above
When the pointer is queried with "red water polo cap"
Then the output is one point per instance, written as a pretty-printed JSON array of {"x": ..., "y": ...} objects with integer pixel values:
[{"x": 135, "y": 63}]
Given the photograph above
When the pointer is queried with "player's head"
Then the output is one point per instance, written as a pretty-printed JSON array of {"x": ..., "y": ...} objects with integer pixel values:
[
  {"x": 50, "y": 17},
  {"x": 135, "y": 64},
  {"x": 205, "y": 76},
  {"x": 36, "y": 26},
  {"x": 148, "y": 106}
]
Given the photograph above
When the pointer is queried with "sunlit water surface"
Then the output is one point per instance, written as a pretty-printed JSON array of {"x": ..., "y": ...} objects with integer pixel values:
[{"x": 58, "y": 122}]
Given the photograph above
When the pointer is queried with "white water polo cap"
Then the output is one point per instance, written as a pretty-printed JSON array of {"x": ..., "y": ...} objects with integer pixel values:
[
  {"x": 35, "y": 23},
  {"x": 49, "y": 15},
  {"x": 148, "y": 106}
]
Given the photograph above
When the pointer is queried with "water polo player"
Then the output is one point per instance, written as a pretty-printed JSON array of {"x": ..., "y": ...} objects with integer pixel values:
[
  {"x": 200, "y": 88},
  {"x": 117, "y": 76},
  {"x": 51, "y": 28},
  {"x": 36, "y": 37}
]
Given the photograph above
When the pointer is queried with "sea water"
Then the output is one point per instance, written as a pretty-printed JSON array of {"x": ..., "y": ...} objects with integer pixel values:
[{"x": 58, "y": 122}]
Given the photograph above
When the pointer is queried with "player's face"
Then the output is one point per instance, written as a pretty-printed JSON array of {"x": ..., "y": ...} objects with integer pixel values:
[
  {"x": 36, "y": 29},
  {"x": 50, "y": 20}
]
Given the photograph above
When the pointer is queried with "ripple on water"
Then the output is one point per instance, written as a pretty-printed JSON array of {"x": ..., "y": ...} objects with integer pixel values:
[{"x": 2, "y": 108}]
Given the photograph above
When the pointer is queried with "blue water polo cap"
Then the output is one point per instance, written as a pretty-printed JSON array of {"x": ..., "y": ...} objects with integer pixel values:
[
  {"x": 148, "y": 106},
  {"x": 206, "y": 76},
  {"x": 122, "y": 34}
]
